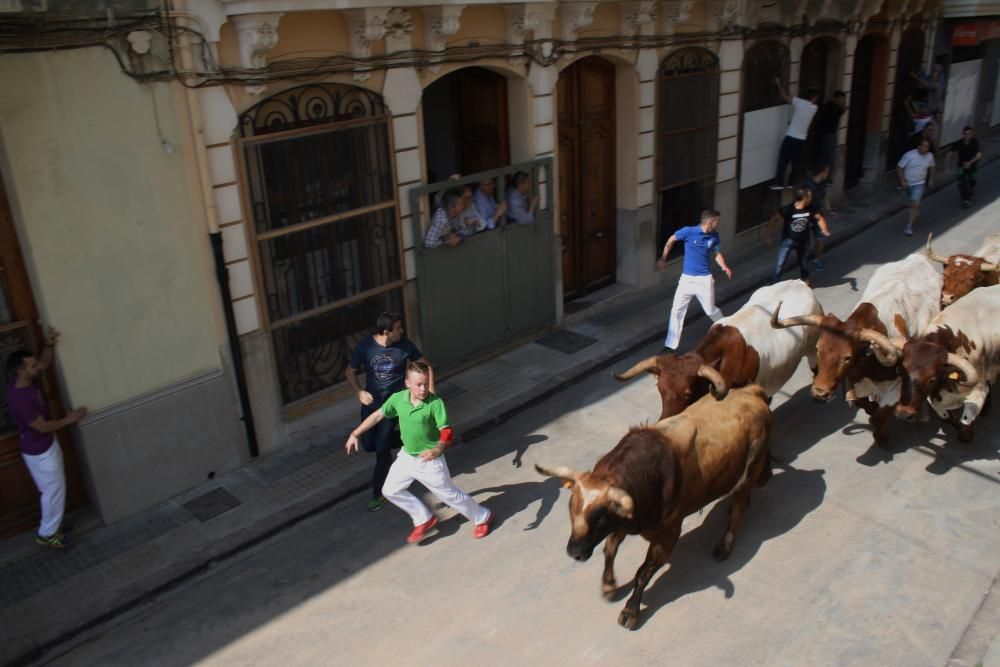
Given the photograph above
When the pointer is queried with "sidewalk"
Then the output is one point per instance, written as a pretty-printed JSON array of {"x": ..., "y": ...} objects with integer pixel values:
[{"x": 48, "y": 597}]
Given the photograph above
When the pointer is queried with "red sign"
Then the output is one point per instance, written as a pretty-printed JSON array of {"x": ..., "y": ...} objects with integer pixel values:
[
  {"x": 965, "y": 34},
  {"x": 992, "y": 30}
]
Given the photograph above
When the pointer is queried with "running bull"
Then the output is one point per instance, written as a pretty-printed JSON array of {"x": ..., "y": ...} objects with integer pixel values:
[
  {"x": 964, "y": 273},
  {"x": 658, "y": 475},
  {"x": 847, "y": 350},
  {"x": 738, "y": 350}
]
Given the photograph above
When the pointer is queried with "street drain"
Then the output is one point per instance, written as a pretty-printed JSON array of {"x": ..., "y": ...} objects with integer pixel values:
[{"x": 212, "y": 504}]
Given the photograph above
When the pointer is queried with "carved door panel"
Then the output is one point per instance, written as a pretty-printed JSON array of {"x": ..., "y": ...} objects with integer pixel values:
[
  {"x": 19, "y": 330},
  {"x": 587, "y": 175}
]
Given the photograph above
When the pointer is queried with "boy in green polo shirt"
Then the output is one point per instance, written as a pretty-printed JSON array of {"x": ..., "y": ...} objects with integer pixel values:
[{"x": 423, "y": 425}]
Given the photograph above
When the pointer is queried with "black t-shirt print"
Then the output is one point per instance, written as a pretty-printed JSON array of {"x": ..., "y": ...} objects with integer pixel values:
[
  {"x": 797, "y": 222},
  {"x": 385, "y": 367}
]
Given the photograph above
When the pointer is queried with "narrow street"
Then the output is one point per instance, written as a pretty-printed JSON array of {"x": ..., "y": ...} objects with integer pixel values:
[{"x": 851, "y": 555}]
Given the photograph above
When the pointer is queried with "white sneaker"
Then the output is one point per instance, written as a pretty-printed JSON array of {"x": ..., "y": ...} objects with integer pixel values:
[
  {"x": 776, "y": 187},
  {"x": 908, "y": 231}
]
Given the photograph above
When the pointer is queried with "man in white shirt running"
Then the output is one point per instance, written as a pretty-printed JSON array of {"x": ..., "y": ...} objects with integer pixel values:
[
  {"x": 916, "y": 172},
  {"x": 794, "y": 145}
]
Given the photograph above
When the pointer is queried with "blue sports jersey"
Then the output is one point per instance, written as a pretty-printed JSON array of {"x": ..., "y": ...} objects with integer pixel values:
[{"x": 698, "y": 249}]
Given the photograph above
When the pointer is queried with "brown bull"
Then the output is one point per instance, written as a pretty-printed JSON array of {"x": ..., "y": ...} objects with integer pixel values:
[
  {"x": 964, "y": 273},
  {"x": 657, "y": 476},
  {"x": 683, "y": 379},
  {"x": 851, "y": 351}
]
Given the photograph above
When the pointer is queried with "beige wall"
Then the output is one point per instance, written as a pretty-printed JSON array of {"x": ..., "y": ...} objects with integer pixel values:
[{"x": 105, "y": 220}]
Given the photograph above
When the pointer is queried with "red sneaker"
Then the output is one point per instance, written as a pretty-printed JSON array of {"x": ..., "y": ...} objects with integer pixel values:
[
  {"x": 420, "y": 532},
  {"x": 483, "y": 529}
]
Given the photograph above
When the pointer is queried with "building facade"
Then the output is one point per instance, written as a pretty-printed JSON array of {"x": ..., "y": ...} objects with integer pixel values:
[{"x": 294, "y": 148}]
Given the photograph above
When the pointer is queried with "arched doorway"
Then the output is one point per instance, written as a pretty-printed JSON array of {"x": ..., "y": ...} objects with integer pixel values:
[
  {"x": 687, "y": 138},
  {"x": 865, "y": 119},
  {"x": 465, "y": 123},
  {"x": 908, "y": 61},
  {"x": 818, "y": 71},
  {"x": 587, "y": 177},
  {"x": 320, "y": 189},
  {"x": 762, "y": 127}
]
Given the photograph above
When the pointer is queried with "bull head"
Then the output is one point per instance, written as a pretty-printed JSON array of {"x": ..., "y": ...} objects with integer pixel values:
[
  {"x": 677, "y": 380},
  {"x": 883, "y": 348},
  {"x": 962, "y": 274},
  {"x": 926, "y": 368},
  {"x": 595, "y": 509}
]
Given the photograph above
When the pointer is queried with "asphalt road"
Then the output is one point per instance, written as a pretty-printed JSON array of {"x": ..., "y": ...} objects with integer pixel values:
[{"x": 851, "y": 555}]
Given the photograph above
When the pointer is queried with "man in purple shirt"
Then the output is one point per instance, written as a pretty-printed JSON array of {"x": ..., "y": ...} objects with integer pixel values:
[{"x": 39, "y": 448}]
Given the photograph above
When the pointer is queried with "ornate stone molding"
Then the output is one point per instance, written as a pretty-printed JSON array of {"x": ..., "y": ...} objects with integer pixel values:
[
  {"x": 635, "y": 16},
  {"x": 576, "y": 16},
  {"x": 398, "y": 23},
  {"x": 440, "y": 23},
  {"x": 529, "y": 20},
  {"x": 727, "y": 15},
  {"x": 675, "y": 12},
  {"x": 257, "y": 34}
]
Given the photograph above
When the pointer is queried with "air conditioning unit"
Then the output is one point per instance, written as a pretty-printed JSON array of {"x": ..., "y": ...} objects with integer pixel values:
[{"x": 22, "y": 6}]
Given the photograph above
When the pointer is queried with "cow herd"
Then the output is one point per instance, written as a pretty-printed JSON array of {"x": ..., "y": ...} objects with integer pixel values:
[{"x": 916, "y": 342}]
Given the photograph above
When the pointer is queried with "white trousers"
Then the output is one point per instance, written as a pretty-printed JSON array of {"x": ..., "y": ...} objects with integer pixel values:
[
  {"x": 699, "y": 287},
  {"x": 435, "y": 476},
  {"x": 47, "y": 471}
]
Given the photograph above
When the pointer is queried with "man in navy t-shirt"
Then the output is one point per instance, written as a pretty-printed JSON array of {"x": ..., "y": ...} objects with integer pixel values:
[
  {"x": 701, "y": 242},
  {"x": 383, "y": 357}
]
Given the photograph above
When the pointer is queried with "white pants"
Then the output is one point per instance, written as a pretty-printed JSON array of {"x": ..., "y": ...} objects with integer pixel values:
[
  {"x": 700, "y": 287},
  {"x": 435, "y": 476},
  {"x": 47, "y": 471}
]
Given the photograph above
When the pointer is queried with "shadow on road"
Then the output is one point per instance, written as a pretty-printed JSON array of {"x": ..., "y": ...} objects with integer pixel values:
[
  {"x": 512, "y": 499},
  {"x": 774, "y": 510}
]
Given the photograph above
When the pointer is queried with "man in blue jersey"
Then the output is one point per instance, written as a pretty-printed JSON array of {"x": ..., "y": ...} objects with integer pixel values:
[{"x": 701, "y": 242}]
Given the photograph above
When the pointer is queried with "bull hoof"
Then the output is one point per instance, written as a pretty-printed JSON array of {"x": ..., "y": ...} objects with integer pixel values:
[
  {"x": 765, "y": 475},
  {"x": 882, "y": 440},
  {"x": 966, "y": 434},
  {"x": 720, "y": 552},
  {"x": 609, "y": 591},
  {"x": 628, "y": 619}
]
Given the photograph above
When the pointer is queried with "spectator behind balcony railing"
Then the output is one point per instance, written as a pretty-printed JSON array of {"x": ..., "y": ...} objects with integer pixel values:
[
  {"x": 521, "y": 203},
  {"x": 485, "y": 203},
  {"x": 445, "y": 225}
]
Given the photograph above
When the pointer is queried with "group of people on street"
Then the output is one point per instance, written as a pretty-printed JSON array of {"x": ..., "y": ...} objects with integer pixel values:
[
  {"x": 399, "y": 393},
  {"x": 459, "y": 212}
]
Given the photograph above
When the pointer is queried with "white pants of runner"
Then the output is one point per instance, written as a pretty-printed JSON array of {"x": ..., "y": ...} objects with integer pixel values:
[
  {"x": 47, "y": 471},
  {"x": 699, "y": 287},
  {"x": 435, "y": 476}
]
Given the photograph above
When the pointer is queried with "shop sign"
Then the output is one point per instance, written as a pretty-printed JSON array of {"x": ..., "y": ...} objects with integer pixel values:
[{"x": 965, "y": 34}]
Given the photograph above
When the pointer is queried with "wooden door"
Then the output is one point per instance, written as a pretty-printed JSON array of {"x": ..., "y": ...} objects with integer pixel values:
[
  {"x": 587, "y": 175},
  {"x": 483, "y": 136},
  {"x": 19, "y": 329},
  {"x": 813, "y": 72},
  {"x": 857, "y": 120}
]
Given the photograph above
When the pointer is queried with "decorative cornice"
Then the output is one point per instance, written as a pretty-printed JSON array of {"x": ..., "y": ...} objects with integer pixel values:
[
  {"x": 257, "y": 34},
  {"x": 398, "y": 23},
  {"x": 576, "y": 16},
  {"x": 635, "y": 16},
  {"x": 675, "y": 12},
  {"x": 440, "y": 23},
  {"x": 726, "y": 15}
]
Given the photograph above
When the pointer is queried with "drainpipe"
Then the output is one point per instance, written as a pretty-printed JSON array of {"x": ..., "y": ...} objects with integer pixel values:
[{"x": 215, "y": 237}]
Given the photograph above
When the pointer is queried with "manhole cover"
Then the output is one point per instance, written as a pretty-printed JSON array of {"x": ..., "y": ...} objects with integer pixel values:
[
  {"x": 212, "y": 504},
  {"x": 567, "y": 342}
]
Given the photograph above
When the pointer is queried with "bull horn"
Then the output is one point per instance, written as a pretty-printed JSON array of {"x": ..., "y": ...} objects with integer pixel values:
[
  {"x": 965, "y": 368},
  {"x": 719, "y": 386},
  {"x": 562, "y": 472},
  {"x": 885, "y": 350},
  {"x": 621, "y": 502},
  {"x": 931, "y": 254},
  {"x": 648, "y": 365},
  {"x": 797, "y": 321},
  {"x": 986, "y": 266}
]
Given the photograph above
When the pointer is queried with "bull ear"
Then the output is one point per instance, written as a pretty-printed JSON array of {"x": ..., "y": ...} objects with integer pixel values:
[
  {"x": 569, "y": 476},
  {"x": 621, "y": 503}
]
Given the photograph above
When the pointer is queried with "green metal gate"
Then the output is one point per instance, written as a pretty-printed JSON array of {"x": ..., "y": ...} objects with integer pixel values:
[{"x": 495, "y": 287}]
